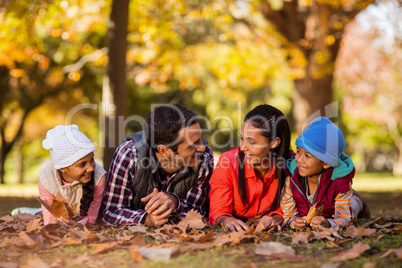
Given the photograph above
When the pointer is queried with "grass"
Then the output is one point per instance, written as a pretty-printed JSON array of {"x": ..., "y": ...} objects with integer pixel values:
[{"x": 381, "y": 202}]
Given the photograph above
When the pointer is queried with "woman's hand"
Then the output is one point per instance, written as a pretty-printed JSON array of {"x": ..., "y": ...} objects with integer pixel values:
[
  {"x": 271, "y": 220},
  {"x": 231, "y": 224},
  {"x": 300, "y": 223},
  {"x": 319, "y": 220}
]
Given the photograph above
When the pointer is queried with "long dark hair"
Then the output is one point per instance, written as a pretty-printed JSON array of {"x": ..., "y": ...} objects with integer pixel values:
[
  {"x": 273, "y": 124},
  {"x": 87, "y": 195}
]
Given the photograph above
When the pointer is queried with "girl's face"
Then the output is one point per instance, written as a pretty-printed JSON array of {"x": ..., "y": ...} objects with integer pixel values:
[
  {"x": 79, "y": 171},
  {"x": 309, "y": 165},
  {"x": 255, "y": 146}
]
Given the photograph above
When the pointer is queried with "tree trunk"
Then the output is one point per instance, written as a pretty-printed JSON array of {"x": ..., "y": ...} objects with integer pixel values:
[
  {"x": 316, "y": 30},
  {"x": 312, "y": 99},
  {"x": 115, "y": 107},
  {"x": 397, "y": 167},
  {"x": 19, "y": 165},
  {"x": 5, "y": 149}
]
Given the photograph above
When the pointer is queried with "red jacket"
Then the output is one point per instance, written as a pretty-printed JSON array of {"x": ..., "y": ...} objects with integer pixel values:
[{"x": 225, "y": 198}]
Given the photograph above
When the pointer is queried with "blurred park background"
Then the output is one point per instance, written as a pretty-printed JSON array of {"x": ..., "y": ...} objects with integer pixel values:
[{"x": 102, "y": 64}]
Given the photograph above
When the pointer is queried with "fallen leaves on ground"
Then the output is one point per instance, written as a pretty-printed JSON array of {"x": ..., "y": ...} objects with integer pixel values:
[
  {"x": 275, "y": 250},
  {"x": 352, "y": 253},
  {"x": 26, "y": 232},
  {"x": 396, "y": 251},
  {"x": 352, "y": 231},
  {"x": 192, "y": 220}
]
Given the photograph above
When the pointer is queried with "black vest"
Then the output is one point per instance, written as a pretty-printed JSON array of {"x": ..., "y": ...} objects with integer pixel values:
[{"x": 148, "y": 173}]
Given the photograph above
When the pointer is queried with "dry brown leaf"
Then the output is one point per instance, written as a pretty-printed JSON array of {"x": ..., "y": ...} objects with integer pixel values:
[
  {"x": 171, "y": 230},
  {"x": 56, "y": 208},
  {"x": 192, "y": 220},
  {"x": 301, "y": 237},
  {"x": 137, "y": 229},
  {"x": 124, "y": 239},
  {"x": 6, "y": 242},
  {"x": 242, "y": 237},
  {"x": 159, "y": 254},
  {"x": 398, "y": 230},
  {"x": 136, "y": 255},
  {"x": 90, "y": 237},
  {"x": 352, "y": 231},
  {"x": 260, "y": 227},
  {"x": 137, "y": 241},
  {"x": 34, "y": 225},
  {"x": 378, "y": 226},
  {"x": 103, "y": 247},
  {"x": 72, "y": 242},
  {"x": 199, "y": 237},
  {"x": 7, "y": 218},
  {"x": 75, "y": 233},
  {"x": 397, "y": 251},
  {"x": 25, "y": 241},
  {"x": 378, "y": 220},
  {"x": 314, "y": 211},
  {"x": 275, "y": 250},
  {"x": 352, "y": 253},
  {"x": 25, "y": 216},
  {"x": 265, "y": 237}
]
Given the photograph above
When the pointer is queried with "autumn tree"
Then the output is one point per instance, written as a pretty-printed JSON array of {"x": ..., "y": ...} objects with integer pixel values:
[
  {"x": 116, "y": 83},
  {"x": 312, "y": 29},
  {"x": 42, "y": 56},
  {"x": 370, "y": 76}
]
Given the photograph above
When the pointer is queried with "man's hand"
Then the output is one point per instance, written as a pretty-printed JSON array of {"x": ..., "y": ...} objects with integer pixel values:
[
  {"x": 300, "y": 223},
  {"x": 154, "y": 221},
  {"x": 231, "y": 224},
  {"x": 319, "y": 220},
  {"x": 159, "y": 206}
]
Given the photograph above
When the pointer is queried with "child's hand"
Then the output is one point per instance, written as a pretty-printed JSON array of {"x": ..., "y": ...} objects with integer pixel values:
[
  {"x": 319, "y": 220},
  {"x": 54, "y": 220},
  {"x": 300, "y": 223},
  {"x": 69, "y": 223}
]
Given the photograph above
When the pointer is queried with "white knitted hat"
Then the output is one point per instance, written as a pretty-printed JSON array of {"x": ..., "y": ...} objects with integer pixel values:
[{"x": 67, "y": 145}]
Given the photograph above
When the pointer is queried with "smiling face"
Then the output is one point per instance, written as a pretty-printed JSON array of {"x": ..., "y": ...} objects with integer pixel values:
[
  {"x": 79, "y": 171},
  {"x": 309, "y": 165},
  {"x": 255, "y": 146},
  {"x": 188, "y": 152}
]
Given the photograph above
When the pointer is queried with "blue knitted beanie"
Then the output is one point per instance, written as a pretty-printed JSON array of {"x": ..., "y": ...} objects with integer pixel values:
[{"x": 323, "y": 140}]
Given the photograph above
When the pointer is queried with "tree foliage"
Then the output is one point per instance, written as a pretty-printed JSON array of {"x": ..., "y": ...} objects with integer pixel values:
[
  {"x": 42, "y": 44},
  {"x": 370, "y": 75}
]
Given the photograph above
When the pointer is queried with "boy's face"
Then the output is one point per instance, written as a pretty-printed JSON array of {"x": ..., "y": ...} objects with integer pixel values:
[{"x": 309, "y": 165}]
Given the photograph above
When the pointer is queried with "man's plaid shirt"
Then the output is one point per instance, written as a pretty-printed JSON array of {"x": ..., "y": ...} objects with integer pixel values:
[{"x": 118, "y": 194}]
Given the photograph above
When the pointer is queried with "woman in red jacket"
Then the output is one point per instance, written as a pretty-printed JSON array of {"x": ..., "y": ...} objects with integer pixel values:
[{"x": 248, "y": 180}]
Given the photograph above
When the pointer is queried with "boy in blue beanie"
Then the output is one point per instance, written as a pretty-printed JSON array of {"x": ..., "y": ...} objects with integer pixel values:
[{"x": 321, "y": 174}]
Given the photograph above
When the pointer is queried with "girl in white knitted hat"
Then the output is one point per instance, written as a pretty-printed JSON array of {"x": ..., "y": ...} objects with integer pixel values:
[{"x": 73, "y": 173}]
